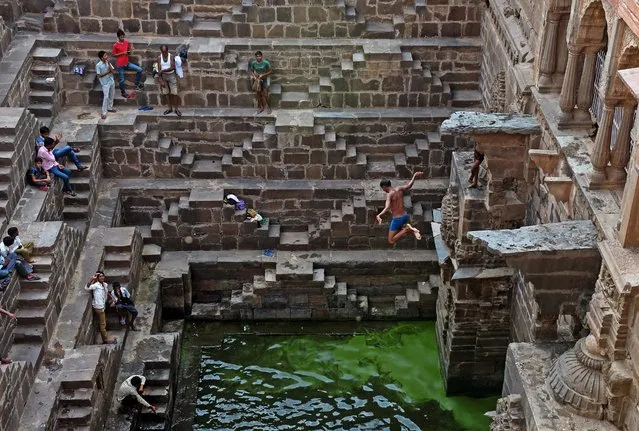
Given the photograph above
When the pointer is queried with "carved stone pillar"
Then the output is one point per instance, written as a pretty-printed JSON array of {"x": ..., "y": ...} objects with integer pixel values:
[
  {"x": 601, "y": 153},
  {"x": 568, "y": 95},
  {"x": 621, "y": 153},
  {"x": 586, "y": 89},
  {"x": 549, "y": 53}
]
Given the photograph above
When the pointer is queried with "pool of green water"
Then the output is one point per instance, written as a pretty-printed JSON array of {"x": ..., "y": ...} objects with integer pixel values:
[{"x": 376, "y": 379}]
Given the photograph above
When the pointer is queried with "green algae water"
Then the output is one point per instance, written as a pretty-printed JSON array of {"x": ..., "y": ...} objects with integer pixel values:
[{"x": 377, "y": 380}]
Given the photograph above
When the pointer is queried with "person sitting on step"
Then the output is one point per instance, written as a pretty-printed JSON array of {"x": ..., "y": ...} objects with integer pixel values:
[
  {"x": 124, "y": 305},
  {"x": 7, "y": 360},
  {"x": 100, "y": 294},
  {"x": 51, "y": 165},
  {"x": 122, "y": 50},
  {"x": 130, "y": 394},
  {"x": 24, "y": 250},
  {"x": 60, "y": 152},
  {"x": 38, "y": 176},
  {"x": 11, "y": 261}
]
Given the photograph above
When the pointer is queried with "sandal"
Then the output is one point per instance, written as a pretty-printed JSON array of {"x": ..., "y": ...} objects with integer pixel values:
[
  {"x": 76, "y": 149},
  {"x": 168, "y": 111},
  {"x": 32, "y": 277},
  {"x": 178, "y": 113},
  {"x": 70, "y": 192},
  {"x": 5, "y": 361}
]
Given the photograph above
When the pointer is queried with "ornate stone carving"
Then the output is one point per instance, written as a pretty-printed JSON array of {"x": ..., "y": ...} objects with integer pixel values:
[
  {"x": 576, "y": 379},
  {"x": 450, "y": 218},
  {"x": 509, "y": 415}
]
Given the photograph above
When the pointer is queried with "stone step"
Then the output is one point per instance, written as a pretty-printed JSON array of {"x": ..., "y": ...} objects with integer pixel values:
[
  {"x": 381, "y": 168},
  {"x": 165, "y": 144},
  {"x": 41, "y": 109},
  {"x": 187, "y": 160},
  {"x": 81, "y": 184},
  {"x": 43, "y": 263},
  {"x": 294, "y": 241},
  {"x": 117, "y": 260},
  {"x": 207, "y": 29},
  {"x": 292, "y": 99},
  {"x": 379, "y": 30},
  {"x": 207, "y": 169},
  {"x": 466, "y": 98},
  {"x": 31, "y": 315},
  {"x": 32, "y": 333},
  {"x": 81, "y": 199},
  {"x": 74, "y": 416},
  {"x": 157, "y": 394},
  {"x": 50, "y": 55},
  {"x": 76, "y": 397},
  {"x": 41, "y": 96},
  {"x": 27, "y": 352},
  {"x": 78, "y": 212},
  {"x": 44, "y": 70},
  {"x": 157, "y": 377},
  {"x": 151, "y": 253},
  {"x": 42, "y": 283},
  {"x": 175, "y": 154},
  {"x": 274, "y": 231},
  {"x": 294, "y": 270},
  {"x": 42, "y": 84},
  {"x": 33, "y": 298}
]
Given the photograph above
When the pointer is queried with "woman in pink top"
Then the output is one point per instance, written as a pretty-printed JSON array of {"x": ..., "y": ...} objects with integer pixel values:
[{"x": 50, "y": 165}]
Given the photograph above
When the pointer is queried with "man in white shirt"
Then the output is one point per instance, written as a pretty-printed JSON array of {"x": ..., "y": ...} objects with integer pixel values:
[
  {"x": 130, "y": 393},
  {"x": 99, "y": 289},
  {"x": 25, "y": 249}
]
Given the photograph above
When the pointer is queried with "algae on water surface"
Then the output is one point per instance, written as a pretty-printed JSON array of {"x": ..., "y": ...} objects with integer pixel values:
[{"x": 379, "y": 380}]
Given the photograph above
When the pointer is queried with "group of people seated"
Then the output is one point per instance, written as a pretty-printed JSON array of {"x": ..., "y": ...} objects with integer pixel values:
[
  {"x": 16, "y": 255},
  {"x": 47, "y": 162}
]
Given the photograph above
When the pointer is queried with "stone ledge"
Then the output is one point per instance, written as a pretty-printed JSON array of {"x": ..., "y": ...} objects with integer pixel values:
[
  {"x": 551, "y": 237},
  {"x": 477, "y": 123}
]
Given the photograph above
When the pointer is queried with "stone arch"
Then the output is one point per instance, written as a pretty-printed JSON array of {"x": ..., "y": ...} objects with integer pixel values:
[
  {"x": 593, "y": 28},
  {"x": 628, "y": 59}
]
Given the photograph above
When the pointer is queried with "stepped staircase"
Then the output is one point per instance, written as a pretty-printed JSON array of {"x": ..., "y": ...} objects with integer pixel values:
[
  {"x": 158, "y": 394},
  {"x": 43, "y": 84},
  {"x": 36, "y": 314}
]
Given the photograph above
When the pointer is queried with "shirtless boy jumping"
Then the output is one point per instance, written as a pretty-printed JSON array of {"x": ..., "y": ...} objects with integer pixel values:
[{"x": 395, "y": 204}]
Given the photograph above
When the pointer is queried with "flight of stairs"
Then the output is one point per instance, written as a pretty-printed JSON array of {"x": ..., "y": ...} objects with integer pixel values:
[
  {"x": 35, "y": 311},
  {"x": 43, "y": 84},
  {"x": 157, "y": 393}
]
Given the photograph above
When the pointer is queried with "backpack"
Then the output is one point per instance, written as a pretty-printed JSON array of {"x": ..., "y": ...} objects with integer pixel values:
[{"x": 240, "y": 205}]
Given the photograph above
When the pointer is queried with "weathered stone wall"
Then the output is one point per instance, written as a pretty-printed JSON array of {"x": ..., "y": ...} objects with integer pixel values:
[
  {"x": 261, "y": 19},
  {"x": 509, "y": 37},
  {"x": 339, "y": 75},
  {"x": 8, "y": 301},
  {"x": 5, "y": 36},
  {"x": 300, "y": 217},
  {"x": 19, "y": 129},
  {"x": 16, "y": 380}
]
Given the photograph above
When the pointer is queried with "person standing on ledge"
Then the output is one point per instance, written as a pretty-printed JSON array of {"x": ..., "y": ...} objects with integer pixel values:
[
  {"x": 168, "y": 80},
  {"x": 260, "y": 69},
  {"x": 121, "y": 50},
  {"x": 105, "y": 72},
  {"x": 478, "y": 158},
  {"x": 395, "y": 204}
]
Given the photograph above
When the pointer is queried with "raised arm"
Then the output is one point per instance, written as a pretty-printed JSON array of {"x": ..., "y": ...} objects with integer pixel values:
[
  {"x": 412, "y": 181},
  {"x": 385, "y": 210}
]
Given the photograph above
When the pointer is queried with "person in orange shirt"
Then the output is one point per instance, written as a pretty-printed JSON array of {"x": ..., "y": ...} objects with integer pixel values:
[{"x": 121, "y": 50}]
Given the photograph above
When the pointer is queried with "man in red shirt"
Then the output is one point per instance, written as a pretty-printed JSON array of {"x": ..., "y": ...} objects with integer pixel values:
[{"x": 121, "y": 50}]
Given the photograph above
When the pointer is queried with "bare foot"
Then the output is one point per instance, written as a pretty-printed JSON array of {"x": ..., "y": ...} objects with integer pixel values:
[
  {"x": 472, "y": 186},
  {"x": 416, "y": 232}
]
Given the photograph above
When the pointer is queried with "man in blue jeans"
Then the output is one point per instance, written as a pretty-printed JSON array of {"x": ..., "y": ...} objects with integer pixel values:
[
  {"x": 51, "y": 165},
  {"x": 121, "y": 50},
  {"x": 60, "y": 152},
  {"x": 11, "y": 262}
]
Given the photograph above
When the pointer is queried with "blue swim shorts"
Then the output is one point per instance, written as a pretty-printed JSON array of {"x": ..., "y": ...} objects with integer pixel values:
[{"x": 397, "y": 222}]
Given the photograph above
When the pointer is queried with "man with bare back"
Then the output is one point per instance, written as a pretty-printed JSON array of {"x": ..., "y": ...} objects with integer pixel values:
[{"x": 395, "y": 204}]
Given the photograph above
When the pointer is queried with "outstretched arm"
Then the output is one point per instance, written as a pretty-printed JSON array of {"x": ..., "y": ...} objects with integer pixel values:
[
  {"x": 412, "y": 181},
  {"x": 8, "y": 314},
  {"x": 385, "y": 210}
]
